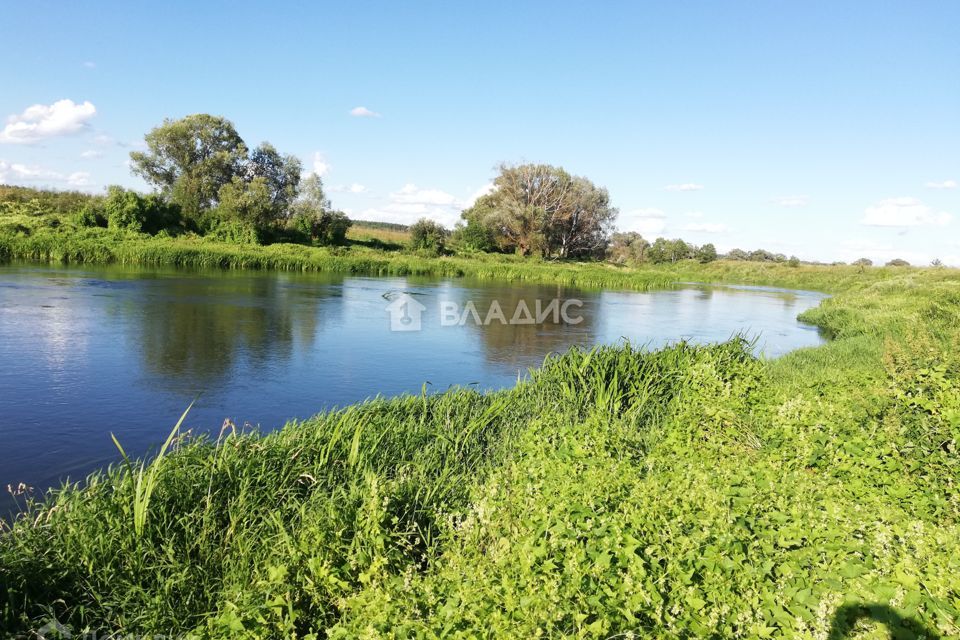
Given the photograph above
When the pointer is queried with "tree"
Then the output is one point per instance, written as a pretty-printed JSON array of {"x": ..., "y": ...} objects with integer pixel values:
[
  {"x": 898, "y": 262},
  {"x": 541, "y": 208},
  {"x": 473, "y": 236},
  {"x": 863, "y": 262},
  {"x": 281, "y": 174},
  {"x": 127, "y": 209},
  {"x": 312, "y": 216},
  {"x": 191, "y": 159},
  {"x": 706, "y": 253},
  {"x": 627, "y": 248},
  {"x": 737, "y": 254},
  {"x": 250, "y": 203},
  {"x": 427, "y": 235}
]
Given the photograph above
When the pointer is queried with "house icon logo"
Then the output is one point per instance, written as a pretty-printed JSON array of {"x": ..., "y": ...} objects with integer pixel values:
[
  {"x": 53, "y": 630},
  {"x": 405, "y": 312}
]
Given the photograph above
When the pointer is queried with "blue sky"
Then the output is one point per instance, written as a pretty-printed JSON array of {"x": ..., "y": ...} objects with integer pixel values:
[{"x": 822, "y": 129}]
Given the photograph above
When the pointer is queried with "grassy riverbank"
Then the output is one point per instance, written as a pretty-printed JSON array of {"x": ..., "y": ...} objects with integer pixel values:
[
  {"x": 689, "y": 492},
  {"x": 373, "y": 253}
]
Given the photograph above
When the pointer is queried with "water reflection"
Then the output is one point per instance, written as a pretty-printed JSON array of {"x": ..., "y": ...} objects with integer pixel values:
[{"x": 93, "y": 351}]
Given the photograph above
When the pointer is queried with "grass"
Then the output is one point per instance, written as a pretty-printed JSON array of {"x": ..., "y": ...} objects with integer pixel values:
[
  {"x": 52, "y": 238},
  {"x": 686, "y": 492}
]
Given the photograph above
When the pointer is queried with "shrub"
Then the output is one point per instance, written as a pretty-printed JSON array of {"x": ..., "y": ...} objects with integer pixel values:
[
  {"x": 473, "y": 236},
  {"x": 127, "y": 209},
  {"x": 427, "y": 235}
]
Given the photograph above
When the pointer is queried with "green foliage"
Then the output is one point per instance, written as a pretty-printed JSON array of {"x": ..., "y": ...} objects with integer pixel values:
[
  {"x": 190, "y": 159},
  {"x": 541, "y": 209},
  {"x": 473, "y": 236},
  {"x": 898, "y": 262},
  {"x": 428, "y": 236},
  {"x": 706, "y": 253},
  {"x": 627, "y": 248},
  {"x": 126, "y": 209},
  {"x": 249, "y": 202},
  {"x": 663, "y": 251},
  {"x": 313, "y": 219},
  {"x": 686, "y": 492},
  {"x": 90, "y": 216}
]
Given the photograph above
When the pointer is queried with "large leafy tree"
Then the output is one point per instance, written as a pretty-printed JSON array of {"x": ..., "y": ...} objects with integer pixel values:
[
  {"x": 541, "y": 208},
  {"x": 281, "y": 173},
  {"x": 191, "y": 159}
]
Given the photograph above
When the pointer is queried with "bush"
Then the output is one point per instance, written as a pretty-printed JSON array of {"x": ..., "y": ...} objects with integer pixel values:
[
  {"x": 236, "y": 231},
  {"x": 428, "y": 236},
  {"x": 473, "y": 236},
  {"x": 898, "y": 262},
  {"x": 706, "y": 253},
  {"x": 325, "y": 227},
  {"x": 89, "y": 216},
  {"x": 127, "y": 209}
]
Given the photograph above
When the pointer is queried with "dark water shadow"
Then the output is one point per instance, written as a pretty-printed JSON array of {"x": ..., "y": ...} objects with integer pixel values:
[{"x": 899, "y": 627}]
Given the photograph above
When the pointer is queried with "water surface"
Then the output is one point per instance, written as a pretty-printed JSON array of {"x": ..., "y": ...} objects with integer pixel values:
[{"x": 89, "y": 351}]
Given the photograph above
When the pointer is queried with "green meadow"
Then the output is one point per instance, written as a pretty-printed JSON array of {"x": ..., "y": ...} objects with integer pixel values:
[{"x": 693, "y": 491}]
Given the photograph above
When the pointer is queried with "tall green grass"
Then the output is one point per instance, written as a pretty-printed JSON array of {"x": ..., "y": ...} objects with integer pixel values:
[{"x": 686, "y": 492}]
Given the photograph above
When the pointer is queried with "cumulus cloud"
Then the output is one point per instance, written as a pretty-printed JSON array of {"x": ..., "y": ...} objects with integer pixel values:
[
  {"x": 79, "y": 179},
  {"x": 881, "y": 253},
  {"x": 792, "y": 201},
  {"x": 90, "y": 154},
  {"x": 706, "y": 227},
  {"x": 479, "y": 193},
  {"x": 363, "y": 112},
  {"x": 410, "y": 203},
  {"x": 903, "y": 212},
  {"x": 411, "y": 194},
  {"x": 946, "y": 184},
  {"x": 348, "y": 188},
  {"x": 686, "y": 186},
  {"x": 320, "y": 165},
  {"x": 15, "y": 172},
  {"x": 647, "y": 222},
  {"x": 40, "y": 121}
]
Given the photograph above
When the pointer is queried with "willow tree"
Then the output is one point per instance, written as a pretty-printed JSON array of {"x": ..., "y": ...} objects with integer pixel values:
[{"x": 541, "y": 208}]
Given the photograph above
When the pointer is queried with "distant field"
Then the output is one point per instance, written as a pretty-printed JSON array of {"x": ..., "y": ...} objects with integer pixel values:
[{"x": 365, "y": 232}]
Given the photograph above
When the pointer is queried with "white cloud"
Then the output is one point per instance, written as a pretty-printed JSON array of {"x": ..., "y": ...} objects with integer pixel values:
[
  {"x": 686, "y": 186},
  {"x": 881, "y": 253},
  {"x": 16, "y": 172},
  {"x": 706, "y": 227},
  {"x": 363, "y": 112},
  {"x": 90, "y": 154},
  {"x": 79, "y": 179},
  {"x": 348, "y": 188},
  {"x": 410, "y": 194},
  {"x": 320, "y": 165},
  {"x": 479, "y": 193},
  {"x": 410, "y": 203},
  {"x": 90, "y": 65},
  {"x": 903, "y": 212},
  {"x": 946, "y": 184},
  {"x": 792, "y": 201},
  {"x": 647, "y": 222},
  {"x": 38, "y": 122}
]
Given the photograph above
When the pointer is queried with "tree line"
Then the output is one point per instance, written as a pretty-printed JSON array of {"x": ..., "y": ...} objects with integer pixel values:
[{"x": 209, "y": 182}]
